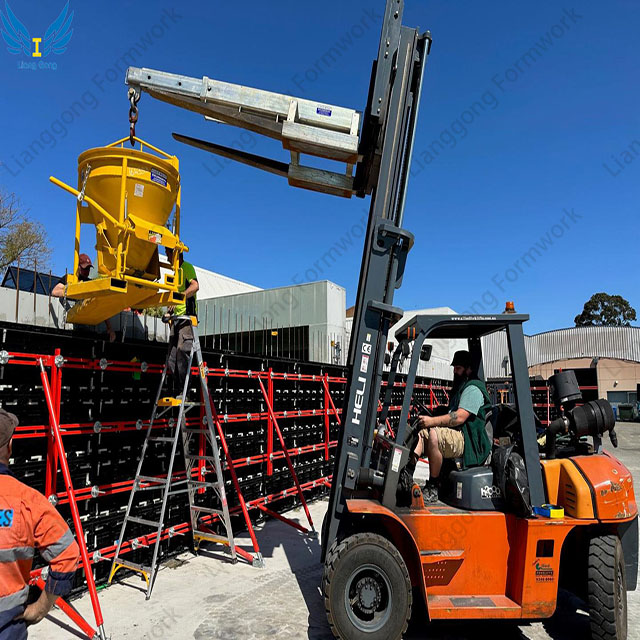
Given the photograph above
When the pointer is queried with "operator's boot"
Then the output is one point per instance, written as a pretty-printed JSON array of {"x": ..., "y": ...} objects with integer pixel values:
[
  {"x": 430, "y": 491},
  {"x": 405, "y": 484}
]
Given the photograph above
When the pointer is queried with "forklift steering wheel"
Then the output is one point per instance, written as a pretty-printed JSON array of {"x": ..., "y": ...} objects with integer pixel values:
[{"x": 419, "y": 409}]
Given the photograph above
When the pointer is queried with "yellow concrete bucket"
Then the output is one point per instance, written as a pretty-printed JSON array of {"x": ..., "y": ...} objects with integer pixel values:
[{"x": 128, "y": 195}]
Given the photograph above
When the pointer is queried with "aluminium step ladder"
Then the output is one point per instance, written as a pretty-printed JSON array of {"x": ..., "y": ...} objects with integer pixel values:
[{"x": 195, "y": 464}]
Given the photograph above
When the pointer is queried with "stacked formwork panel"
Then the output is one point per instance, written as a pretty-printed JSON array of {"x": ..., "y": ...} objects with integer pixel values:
[{"x": 103, "y": 397}]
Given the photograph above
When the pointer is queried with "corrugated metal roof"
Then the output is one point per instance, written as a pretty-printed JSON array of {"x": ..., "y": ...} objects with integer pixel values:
[
  {"x": 494, "y": 351},
  {"x": 620, "y": 343},
  {"x": 215, "y": 285}
]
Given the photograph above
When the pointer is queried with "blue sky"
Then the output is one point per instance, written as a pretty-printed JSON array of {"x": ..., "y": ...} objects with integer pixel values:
[{"x": 523, "y": 106}]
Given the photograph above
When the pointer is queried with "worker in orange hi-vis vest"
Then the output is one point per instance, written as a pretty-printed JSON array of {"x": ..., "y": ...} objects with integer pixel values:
[{"x": 28, "y": 522}]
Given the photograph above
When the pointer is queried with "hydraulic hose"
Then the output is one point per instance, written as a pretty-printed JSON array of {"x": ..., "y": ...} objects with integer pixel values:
[{"x": 560, "y": 425}]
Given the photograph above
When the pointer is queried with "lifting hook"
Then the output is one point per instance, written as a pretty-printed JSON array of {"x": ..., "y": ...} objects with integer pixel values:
[{"x": 134, "y": 98}]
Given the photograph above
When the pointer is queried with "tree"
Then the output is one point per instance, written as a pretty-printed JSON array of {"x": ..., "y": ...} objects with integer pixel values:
[
  {"x": 21, "y": 238},
  {"x": 605, "y": 310}
]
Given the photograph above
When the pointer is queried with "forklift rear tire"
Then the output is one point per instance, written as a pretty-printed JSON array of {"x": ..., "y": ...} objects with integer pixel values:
[
  {"x": 367, "y": 590},
  {"x": 607, "y": 589}
]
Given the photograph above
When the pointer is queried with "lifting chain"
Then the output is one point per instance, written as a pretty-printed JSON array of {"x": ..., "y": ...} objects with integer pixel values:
[
  {"x": 85, "y": 175},
  {"x": 134, "y": 98}
]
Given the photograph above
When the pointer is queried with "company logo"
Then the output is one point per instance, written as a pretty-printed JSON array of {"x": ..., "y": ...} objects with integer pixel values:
[
  {"x": 364, "y": 365},
  {"x": 357, "y": 409},
  {"x": 488, "y": 492},
  {"x": 6, "y": 517},
  {"x": 544, "y": 572},
  {"x": 20, "y": 42}
]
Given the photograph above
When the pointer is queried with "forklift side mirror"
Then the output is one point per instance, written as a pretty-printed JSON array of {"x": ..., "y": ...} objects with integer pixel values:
[{"x": 425, "y": 353}]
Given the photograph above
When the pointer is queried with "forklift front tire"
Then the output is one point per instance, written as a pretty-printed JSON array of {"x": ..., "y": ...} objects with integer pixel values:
[
  {"x": 367, "y": 590},
  {"x": 607, "y": 589}
]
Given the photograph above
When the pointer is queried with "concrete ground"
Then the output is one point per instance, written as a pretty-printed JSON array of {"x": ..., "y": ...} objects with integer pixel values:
[{"x": 207, "y": 598}]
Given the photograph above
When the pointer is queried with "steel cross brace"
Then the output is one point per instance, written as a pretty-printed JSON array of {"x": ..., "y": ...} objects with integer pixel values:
[{"x": 294, "y": 475}]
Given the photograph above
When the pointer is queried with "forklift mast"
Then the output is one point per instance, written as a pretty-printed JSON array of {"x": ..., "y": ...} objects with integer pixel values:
[
  {"x": 391, "y": 135},
  {"x": 379, "y": 145}
]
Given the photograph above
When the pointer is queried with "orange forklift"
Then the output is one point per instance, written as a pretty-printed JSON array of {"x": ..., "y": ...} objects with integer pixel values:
[
  {"x": 489, "y": 549},
  {"x": 475, "y": 554}
]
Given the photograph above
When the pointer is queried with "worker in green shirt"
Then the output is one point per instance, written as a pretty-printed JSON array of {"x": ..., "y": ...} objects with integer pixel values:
[
  {"x": 181, "y": 337},
  {"x": 461, "y": 432}
]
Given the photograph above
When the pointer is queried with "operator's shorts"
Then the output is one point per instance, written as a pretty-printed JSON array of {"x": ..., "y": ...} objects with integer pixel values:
[{"x": 450, "y": 442}]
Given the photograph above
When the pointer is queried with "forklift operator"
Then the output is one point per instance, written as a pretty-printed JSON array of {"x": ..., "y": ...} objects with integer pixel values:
[{"x": 461, "y": 432}]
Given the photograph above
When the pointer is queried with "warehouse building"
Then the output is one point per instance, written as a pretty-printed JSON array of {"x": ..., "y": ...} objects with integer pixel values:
[
  {"x": 305, "y": 322},
  {"x": 608, "y": 356}
]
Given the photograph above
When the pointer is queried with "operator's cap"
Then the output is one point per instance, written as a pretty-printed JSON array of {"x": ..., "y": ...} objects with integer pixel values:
[
  {"x": 84, "y": 260},
  {"x": 8, "y": 424},
  {"x": 462, "y": 359}
]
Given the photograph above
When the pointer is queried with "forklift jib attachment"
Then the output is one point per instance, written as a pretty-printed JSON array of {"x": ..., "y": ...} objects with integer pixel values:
[
  {"x": 129, "y": 195},
  {"x": 302, "y": 126}
]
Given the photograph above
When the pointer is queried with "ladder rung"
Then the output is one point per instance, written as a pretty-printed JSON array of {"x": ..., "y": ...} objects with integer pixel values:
[
  {"x": 176, "y": 402},
  {"x": 218, "y": 512},
  {"x": 162, "y": 481},
  {"x": 196, "y": 431},
  {"x": 169, "y": 402},
  {"x": 132, "y": 565},
  {"x": 160, "y": 439},
  {"x": 207, "y": 458},
  {"x": 204, "y": 484},
  {"x": 211, "y": 537},
  {"x": 148, "y": 523}
]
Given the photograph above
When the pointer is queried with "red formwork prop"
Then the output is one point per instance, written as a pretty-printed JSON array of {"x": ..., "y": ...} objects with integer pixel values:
[
  {"x": 66, "y": 474},
  {"x": 67, "y": 609}
]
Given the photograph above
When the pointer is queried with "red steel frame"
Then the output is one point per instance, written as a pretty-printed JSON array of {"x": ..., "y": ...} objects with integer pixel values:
[{"x": 292, "y": 471}]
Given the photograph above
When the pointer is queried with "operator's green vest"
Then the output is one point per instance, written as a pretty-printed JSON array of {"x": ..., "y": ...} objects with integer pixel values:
[{"x": 477, "y": 445}]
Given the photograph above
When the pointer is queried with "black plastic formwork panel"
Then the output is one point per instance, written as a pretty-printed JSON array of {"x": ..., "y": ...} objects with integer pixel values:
[
  {"x": 111, "y": 409},
  {"x": 101, "y": 401}
]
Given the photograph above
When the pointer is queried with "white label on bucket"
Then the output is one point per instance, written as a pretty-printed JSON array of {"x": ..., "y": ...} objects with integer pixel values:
[
  {"x": 138, "y": 190},
  {"x": 395, "y": 463},
  {"x": 159, "y": 177}
]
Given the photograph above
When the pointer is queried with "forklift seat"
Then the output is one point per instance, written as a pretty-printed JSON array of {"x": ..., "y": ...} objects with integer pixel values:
[{"x": 473, "y": 488}]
